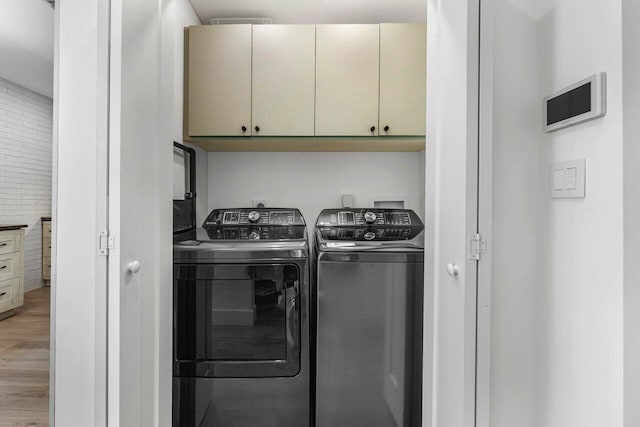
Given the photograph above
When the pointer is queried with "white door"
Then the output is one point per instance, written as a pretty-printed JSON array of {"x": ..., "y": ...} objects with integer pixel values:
[
  {"x": 347, "y": 80},
  {"x": 283, "y": 80},
  {"x": 140, "y": 190},
  {"x": 219, "y": 74},
  {"x": 452, "y": 207}
]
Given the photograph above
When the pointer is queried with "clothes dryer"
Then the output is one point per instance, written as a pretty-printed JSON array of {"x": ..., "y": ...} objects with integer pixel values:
[{"x": 241, "y": 323}]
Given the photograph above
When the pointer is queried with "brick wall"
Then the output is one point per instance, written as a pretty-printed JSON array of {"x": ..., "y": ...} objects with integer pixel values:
[{"x": 25, "y": 168}]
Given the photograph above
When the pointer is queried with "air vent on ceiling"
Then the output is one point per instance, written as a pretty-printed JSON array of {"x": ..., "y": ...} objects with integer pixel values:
[{"x": 217, "y": 21}]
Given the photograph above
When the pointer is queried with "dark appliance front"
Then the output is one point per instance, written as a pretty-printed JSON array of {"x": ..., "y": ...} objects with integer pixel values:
[
  {"x": 241, "y": 331},
  {"x": 184, "y": 210},
  {"x": 369, "y": 279}
]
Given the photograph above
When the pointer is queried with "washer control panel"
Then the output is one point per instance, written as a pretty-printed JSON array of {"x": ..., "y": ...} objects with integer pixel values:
[
  {"x": 255, "y": 224},
  {"x": 369, "y": 224}
]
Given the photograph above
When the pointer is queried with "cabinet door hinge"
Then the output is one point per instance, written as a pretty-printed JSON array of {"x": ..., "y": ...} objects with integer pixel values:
[
  {"x": 477, "y": 247},
  {"x": 106, "y": 243}
]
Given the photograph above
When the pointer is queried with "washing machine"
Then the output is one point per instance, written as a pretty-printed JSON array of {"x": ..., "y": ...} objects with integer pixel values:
[
  {"x": 241, "y": 321},
  {"x": 369, "y": 268}
]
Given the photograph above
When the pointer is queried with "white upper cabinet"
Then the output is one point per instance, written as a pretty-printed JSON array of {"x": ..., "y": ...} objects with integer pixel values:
[
  {"x": 403, "y": 60},
  {"x": 305, "y": 80},
  {"x": 219, "y": 75},
  {"x": 347, "y": 80},
  {"x": 283, "y": 80}
]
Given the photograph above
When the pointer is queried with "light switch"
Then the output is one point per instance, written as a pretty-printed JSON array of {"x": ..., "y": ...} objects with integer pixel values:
[
  {"x": 558, "y": 180},
  {"x": 568, "y": 179},
  {"x": 570, "y": 175}
]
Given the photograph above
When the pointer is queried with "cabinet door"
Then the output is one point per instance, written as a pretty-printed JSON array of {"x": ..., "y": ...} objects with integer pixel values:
[
  {"x": 403, "y": 61},
  {"x": 219, "y": 80},
  {"x": 283, "y": 80},
  {"x": 347, "y": 79}
]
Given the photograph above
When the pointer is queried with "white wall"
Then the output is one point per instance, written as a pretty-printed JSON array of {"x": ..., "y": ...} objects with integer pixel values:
[
  {"x": 580, "y": 242},
  {"x": 516, "y": 140},
  {"x": 314, "y": 181},
  {"x": 316, "y": 12},
  {"x": 557, "y": 294},
  {"x": 184, "y": 16},
  {"x": 25, "y": 169},
  {"x": 631, "y": 83}
]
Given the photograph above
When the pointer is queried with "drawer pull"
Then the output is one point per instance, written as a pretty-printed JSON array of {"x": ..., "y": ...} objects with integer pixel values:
[
  {"x": 3, "y": 294},
  {"x": 3, "y": 244},
  {"x": 3, "y": 267}
]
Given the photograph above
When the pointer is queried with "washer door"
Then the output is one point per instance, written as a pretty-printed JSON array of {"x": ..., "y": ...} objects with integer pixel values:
[{"x": 236, "y": 320}]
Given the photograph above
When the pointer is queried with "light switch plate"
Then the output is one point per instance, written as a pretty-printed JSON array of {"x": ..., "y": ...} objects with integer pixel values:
[{"x": 568, "y": 179}]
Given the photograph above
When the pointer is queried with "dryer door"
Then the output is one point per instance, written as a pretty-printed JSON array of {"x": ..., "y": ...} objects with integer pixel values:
[{"x": 236, "y": 320}]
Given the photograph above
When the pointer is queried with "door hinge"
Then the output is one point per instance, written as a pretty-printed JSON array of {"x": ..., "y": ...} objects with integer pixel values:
[
  {"x": 477, "y": 247},
  {"x": 106, "y": 243}
]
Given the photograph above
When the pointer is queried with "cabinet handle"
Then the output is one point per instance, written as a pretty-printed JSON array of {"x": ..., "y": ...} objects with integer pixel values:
[
  {"x": 386, "y": 128},
  {"x": 3, "y": 294},
  {"x": 257, "y": 128},
  {"x": 3, "y": 244},
  {"x": 244, "y": 128},
  {"x": 373, "y": 128},
  {"x": 3, "y": 267}
]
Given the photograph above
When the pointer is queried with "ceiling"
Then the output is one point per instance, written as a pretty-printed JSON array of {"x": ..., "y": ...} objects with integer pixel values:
[
  {"x": 315, "y": 11},
  {"x": 27, "y": 26},
  {"x": 26, "y": 44}
]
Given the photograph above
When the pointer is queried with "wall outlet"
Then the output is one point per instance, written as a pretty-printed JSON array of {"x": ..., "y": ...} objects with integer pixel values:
[
  {"x": 256, "y": 202},
  {"x": 347, "y": 201}
]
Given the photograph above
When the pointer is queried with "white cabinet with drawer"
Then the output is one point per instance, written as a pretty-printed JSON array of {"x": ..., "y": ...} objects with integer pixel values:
[
  {"x": 11, "y": 269},
  {"x": 10, "y": 265}
]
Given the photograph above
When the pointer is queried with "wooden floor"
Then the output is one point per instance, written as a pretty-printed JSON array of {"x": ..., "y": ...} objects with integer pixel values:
[{"x": 24, "y": 363}]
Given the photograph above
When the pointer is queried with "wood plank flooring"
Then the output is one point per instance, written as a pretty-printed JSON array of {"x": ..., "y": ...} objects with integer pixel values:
[{"x": 24, "y": 363}]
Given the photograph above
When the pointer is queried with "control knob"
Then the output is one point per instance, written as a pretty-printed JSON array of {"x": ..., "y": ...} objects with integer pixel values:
[
  {"x": 370, "y": 217},
  {"x": 254, "y": 216},
  {"x": 369, "y": 235},
  {"x": 254, "y": 236}
]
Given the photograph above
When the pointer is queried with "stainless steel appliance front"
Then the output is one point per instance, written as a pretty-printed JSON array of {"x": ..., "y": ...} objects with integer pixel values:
[
  {"x": 369, "y": 318},
  {"x": 241, "y": 327}
]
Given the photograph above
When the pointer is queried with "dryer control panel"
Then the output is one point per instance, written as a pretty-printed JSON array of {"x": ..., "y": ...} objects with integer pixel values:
[
  {"x": 255, "y": 224},
  {"x": 262, "y": 216},
  {"x": 368, "y": 224}
]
